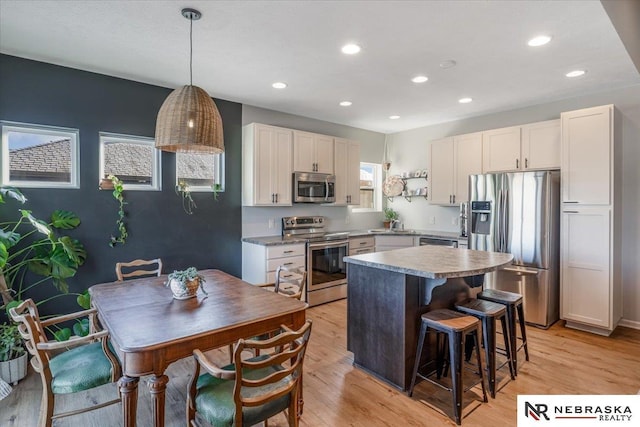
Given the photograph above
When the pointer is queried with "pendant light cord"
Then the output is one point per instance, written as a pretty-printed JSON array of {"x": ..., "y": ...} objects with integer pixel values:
[{"x": 191, "y": 51}]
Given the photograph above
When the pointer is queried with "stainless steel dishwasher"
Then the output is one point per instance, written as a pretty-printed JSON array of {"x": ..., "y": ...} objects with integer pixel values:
[{"x": 436, "y": 241}]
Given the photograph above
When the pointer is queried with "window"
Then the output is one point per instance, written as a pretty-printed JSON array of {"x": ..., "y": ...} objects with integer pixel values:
[
  {"x": 133, "y": 159},
  {"x": 370, "y": 188},
  {"x": 39, "y": 156},
  {"x": 200, "y": 171}
]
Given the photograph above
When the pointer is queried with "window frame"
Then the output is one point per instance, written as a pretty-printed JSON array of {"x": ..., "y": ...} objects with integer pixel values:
[
  {"x": 377, "y": 189},
  {"x": 5, "y": 166},
  {"x": 156, "y": 169},
  {"x": 219, "y": 173}
]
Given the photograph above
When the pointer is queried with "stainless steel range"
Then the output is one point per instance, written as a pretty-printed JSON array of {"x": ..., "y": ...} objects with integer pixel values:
[{"x": 327, "y": 272}]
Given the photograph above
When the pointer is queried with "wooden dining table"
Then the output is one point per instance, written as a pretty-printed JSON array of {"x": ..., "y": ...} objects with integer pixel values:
[{"x": 149, "y": 329}]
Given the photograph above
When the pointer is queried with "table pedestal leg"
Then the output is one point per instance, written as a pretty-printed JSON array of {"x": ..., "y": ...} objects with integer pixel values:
[
  {"x": 129, "y": 394},
  {"x": 157, "y": 386}
]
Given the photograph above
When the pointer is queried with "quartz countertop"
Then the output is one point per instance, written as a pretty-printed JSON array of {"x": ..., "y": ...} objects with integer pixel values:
[
  {"x": 433, "y": 262},
  {"x": 278, "y": 240}
]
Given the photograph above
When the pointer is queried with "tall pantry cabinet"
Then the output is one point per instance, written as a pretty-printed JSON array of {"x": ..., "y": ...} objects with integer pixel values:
[{"x": 590, "y": 275}]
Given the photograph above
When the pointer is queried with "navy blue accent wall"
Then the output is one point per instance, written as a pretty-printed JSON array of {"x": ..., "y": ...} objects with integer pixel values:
[{"x": 42, "y": 93}]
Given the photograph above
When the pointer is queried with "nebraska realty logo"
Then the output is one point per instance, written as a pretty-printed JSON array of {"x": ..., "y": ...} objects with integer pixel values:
[{"x": 578, "y": 410}]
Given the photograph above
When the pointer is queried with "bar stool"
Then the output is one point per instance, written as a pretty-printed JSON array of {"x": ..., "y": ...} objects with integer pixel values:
[
  {"x": 488, "y": 312},
  {"x": 456, "y": 326},
  {"x": 513, "y": 303}
]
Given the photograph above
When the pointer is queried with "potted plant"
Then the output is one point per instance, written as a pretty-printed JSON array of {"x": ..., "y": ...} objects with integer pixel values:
[
  {"x": 188, "y": 204},
  {"x": 389, "y": 215},
  {"x": 13, "y": 356},
  {"x": 118, "y": 187},
  {"x": 185, "y": 283},
  {"x": 28, "y": 244}
]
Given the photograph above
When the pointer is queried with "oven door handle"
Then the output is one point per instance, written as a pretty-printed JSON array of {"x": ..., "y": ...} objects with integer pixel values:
[{"x": 326, "y": 245}]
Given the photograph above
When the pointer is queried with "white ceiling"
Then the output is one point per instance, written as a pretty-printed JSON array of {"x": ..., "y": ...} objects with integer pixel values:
[{"x": 241, "y": 47}]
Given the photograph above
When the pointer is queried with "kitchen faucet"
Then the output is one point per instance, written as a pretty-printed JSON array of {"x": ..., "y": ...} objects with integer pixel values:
[{"x": 396, "y": 225}]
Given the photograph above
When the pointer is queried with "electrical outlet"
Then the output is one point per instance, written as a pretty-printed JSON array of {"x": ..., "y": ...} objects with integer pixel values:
[
  {"x": 272, "y": 223},
  {"x": 432, "y": 220}
]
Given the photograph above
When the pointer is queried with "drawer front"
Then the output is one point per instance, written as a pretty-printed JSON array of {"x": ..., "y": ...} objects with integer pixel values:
[
  {"x": 280, "y": 251},
  {"x": 289, "y": 262},
  {"x": 361, "y": 242},
  {"x": 360, "y": 251}
]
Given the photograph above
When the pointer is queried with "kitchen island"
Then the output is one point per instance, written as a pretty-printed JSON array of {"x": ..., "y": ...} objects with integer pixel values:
[{"x": 389, "y": 291}]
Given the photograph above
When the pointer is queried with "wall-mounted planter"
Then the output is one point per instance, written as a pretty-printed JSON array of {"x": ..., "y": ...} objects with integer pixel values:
[{"x": 14, "y": 370}]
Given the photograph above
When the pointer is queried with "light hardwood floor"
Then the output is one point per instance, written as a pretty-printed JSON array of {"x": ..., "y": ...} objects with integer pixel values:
[{"x": 563, "y": 361}]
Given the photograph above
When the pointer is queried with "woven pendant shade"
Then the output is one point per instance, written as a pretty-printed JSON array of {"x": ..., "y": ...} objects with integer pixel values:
[{"x": 189, "y": 122}]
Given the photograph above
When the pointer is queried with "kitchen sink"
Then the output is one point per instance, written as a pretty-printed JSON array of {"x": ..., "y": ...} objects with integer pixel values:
[{"x": 391, "y": 231}]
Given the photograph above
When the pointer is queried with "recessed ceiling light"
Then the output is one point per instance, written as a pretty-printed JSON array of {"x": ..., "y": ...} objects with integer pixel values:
[
  {"x": 539, "y": 41},
  {"x": 279, "y": 85},
  {"x": 350, "y": 49},
  {"x": 394, "y": 117},
  {"x": 345, "y": 103},
  {"x": 449, "y": 63},
  {"x": 576, "y": 73},
  {"x": 465, "y": 100},
  {"x": 420, "y": 79}
]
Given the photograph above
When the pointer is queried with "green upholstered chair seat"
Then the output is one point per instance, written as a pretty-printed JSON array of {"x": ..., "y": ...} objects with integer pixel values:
[
  {"x": 214, "y": 397},
  {"x": 79, "y": 369}
]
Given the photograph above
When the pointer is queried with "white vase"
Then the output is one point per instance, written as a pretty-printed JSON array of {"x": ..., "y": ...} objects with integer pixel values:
[
  {"x": 14, "y": 370},
  {"x": 184, "y": 290}
]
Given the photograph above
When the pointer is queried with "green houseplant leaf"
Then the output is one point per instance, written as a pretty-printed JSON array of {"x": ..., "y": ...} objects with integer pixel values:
[
  {"x": 38, "y": 224},
  {"x": 4, "y": 255},
  {"x": 73, "y": 249},
  {"x": 84, "y": 300},
  {"x": 63, "y": 334},
  {"x": 81, "y": 328},
  {"x": 64, "y": 220},
  {"x": 13, "y": 193},
  {"x": 9, "y": 238}
]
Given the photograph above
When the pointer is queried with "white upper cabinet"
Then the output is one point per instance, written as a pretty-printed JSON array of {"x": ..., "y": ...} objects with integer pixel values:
[
  {"x": 312, "y": 152},
  {"x": 453, "y": 159},
  {"x": 347, "y": 168},
  {"x": 267, "y": 165},
  {"x": 520, "y": 148},
  {"x": 587, "y": 145},
  {"x": 501, "y": 149},
  {"x": 541, "y": 145},
  {"x": 441, "y": 172},
  {"x": 467, "y": 161}
]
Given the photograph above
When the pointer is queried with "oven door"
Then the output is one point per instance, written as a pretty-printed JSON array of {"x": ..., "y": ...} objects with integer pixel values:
[
  {"x": 326, "y": 265},
  {"x": 313, "y": 188}
]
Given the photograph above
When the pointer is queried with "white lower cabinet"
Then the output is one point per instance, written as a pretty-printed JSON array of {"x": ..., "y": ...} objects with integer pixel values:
[
  {"x": 587, "y": 293},
  {"x": 259, "y": 262},
  {"x": 388, "y": 243},
  {"x": 361, "y": 245}
]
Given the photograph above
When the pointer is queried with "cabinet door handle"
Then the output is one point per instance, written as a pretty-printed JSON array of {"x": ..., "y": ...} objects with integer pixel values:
[
  {"x": 517, "y": 163},
  {"x": 273, "y": 198},
  {"x": 287, "y": 263},
  {"x": 276, "y": 197},
  {"x": 454, "y": 199},
  {"x": 570, "y": 201},
  {"x": 363, "y": 243},
  {"x": 526, "y": 163},
  {"x": 287, "y": 252},
  {"x": 570, "y": 212}
]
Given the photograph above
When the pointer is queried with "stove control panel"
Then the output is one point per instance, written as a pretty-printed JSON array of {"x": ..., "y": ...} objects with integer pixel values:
[{"x": 298, "y": 222}]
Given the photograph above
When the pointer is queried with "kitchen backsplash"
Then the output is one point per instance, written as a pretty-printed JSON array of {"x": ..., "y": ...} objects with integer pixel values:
[{"x": 266, "y": 221}]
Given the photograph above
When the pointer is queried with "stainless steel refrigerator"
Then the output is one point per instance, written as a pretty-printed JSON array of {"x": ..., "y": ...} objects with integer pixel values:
[{"x": 519, "y": 213}]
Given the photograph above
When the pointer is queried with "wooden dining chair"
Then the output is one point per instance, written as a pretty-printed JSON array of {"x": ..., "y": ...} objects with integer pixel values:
[
  {"x": 78, "y": 364},
  {"x": 250, "y": 391},
  {"x": 139, "y": 272},
  {"x": 289, "y": 282}
]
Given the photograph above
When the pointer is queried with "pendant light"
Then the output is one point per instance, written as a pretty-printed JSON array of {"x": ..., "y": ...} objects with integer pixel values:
[{"x": 188, "y": 120}]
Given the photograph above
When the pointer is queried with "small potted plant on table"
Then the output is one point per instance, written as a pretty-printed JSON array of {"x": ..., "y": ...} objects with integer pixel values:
[
  {"x": 185, "y": 283},
  {"x": 13, "y": 356}
]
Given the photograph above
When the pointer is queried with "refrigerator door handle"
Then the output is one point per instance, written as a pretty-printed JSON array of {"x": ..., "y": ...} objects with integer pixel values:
[
  {"x": 505, "y": 219},
  {"x": 498, "y": 222},
  {"x": 522, "y": 271}
]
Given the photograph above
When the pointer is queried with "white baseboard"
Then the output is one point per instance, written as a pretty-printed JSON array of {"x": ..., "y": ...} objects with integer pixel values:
[{"x": 629, "y": 324}]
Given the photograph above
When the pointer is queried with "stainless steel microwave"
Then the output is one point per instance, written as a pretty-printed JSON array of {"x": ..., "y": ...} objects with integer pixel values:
[{"x": 313, "y": 187}]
